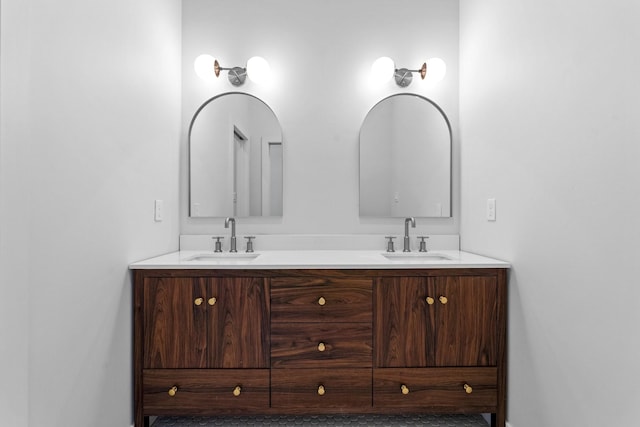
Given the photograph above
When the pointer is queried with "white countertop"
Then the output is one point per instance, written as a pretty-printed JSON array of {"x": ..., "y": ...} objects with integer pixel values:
[{"x": 318, "y": 259}]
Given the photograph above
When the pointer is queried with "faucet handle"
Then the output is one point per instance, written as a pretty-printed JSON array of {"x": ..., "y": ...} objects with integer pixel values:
[
  {"x": 249, "y": 243},
  {"x": 390, "y": 243},
  {"x": 423, "y": 244},
  {"x": 218, "y": 243}
]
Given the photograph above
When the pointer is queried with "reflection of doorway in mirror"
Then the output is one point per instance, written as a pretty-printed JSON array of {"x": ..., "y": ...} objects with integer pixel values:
[
  {"x": 241, "y": 172},
  {"x": 271, "y": 178}
]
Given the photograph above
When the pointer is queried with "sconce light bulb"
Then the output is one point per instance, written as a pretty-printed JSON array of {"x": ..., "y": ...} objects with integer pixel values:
[
  {"x": 204, "y": 66},
  {"x": 382, "y": 70},
  {"x": 436, "y": 70},
  {"x": 258, "y": 70}
]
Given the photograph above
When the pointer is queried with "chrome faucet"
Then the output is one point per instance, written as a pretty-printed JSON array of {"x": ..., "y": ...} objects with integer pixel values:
[
  {"x": 233, "y": 232},
  {"x": 407, "y": 242}
]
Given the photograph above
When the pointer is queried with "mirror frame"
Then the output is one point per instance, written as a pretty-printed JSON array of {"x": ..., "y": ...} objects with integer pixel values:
[{"x": 446, "y": 119}]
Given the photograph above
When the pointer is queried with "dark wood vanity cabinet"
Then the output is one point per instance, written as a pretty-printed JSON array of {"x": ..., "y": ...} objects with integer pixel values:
[
  {"x": 439, "y": 343},
  {"x": 210, "y": 342}
]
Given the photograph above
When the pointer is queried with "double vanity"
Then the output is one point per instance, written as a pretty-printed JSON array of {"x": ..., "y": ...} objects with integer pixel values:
[
  {"x": 318, "y": 324},
  {"x": 319, "y": 332}
]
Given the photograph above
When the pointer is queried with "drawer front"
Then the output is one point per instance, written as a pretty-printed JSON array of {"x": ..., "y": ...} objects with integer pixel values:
[
  {"x": 304, "y": 299},
  {"x": 437, "y": 388},
  {"x": 326, "y": 345},
  {"x": 318, "y": 389},
  {"x": 205, "y": 392}
]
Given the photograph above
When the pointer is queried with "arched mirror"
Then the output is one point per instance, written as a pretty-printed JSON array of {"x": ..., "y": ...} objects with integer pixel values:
[
  {"x": 405, "y": 159},
  {"x": 235, "y": 158}
]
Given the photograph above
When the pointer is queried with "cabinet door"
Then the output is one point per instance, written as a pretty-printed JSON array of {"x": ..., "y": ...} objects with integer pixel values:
[
  {"x": 466, "y": 325},
  {"x": 174, "y": 323},
  {"x": 239, "y": 323},
  {"x": 403, "y": 332},
  {"x": 206, "y": 323},
  {"x": 436, "y": 321}
]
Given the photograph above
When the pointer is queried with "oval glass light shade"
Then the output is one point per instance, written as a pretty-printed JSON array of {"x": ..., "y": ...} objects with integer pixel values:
[
  {"x": 436, "y": 70},
  {"x": 205, "y": 68},
  {"x": 258, "y": 70},
  {"x": 382, "y": 70}
]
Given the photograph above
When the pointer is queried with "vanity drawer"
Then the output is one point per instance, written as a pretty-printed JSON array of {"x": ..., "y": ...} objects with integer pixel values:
[
  {"x": 437, "y": 388},
  {"x": 204, "y": 392},
  {"x": 317, "y": 299},
  {"x": 317, "y": 389},
  {"x": 335, "y": 345}
]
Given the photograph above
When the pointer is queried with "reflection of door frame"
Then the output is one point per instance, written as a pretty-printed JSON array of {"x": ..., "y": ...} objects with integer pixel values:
[
  {"x": 267, "y": 178},
  {"x": 240, "y": 142}
]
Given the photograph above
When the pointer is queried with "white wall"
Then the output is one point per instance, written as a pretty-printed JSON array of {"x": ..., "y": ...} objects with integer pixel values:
[
  {"x": 320, "y": 54},
  {"x": 14, "y": 293},
  {"x": 549, "y": 127},
  {"x": 90, "y": 131}
]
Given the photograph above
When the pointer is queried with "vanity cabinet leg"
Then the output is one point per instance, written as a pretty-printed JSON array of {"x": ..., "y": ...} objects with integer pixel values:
[
  {"x": 140, "y": 420},
  {"x": 498, "y": 420}
]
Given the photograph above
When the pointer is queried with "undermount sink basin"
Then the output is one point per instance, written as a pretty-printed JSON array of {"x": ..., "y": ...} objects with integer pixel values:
[
  {"x": 225, "y": 256},
  {"x": 415, "y": 256}
]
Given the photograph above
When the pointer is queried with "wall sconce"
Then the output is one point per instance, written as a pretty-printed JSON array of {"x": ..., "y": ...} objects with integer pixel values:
[
  {"x": 383, "y": 68},
  {"x": 208, "y": 68}
]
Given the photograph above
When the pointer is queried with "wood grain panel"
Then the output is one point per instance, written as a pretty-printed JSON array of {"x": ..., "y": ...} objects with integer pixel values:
[
  {"x": 175, "y": 329},
  {"x": 466, "y": 328},
  {"x": 205, "y": 392},
  {"x": 409, "y": 332},
  {"x": 298, "y": 388},
  {"x": 295, "y": 345},
  {"x": 295, "y": 299},
  {"x": 239, "y": 323},
  {"x": 403, "y": 332},
  {"x": 436, "y": 388}
]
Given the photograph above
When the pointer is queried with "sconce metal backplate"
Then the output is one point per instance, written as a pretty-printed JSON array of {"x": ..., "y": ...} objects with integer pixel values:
[
  {"x": 237, "y": 76},
  {"x": 403, "y": 77}
]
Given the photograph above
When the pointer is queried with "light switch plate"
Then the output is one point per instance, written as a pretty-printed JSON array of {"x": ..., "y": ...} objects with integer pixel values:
[
  {"x": 158, "y": 210},
  {"x": 491, "y": 209}
]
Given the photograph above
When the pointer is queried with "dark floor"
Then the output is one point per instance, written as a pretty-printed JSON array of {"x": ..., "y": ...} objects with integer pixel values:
[{"x": 327, "y": 420}]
